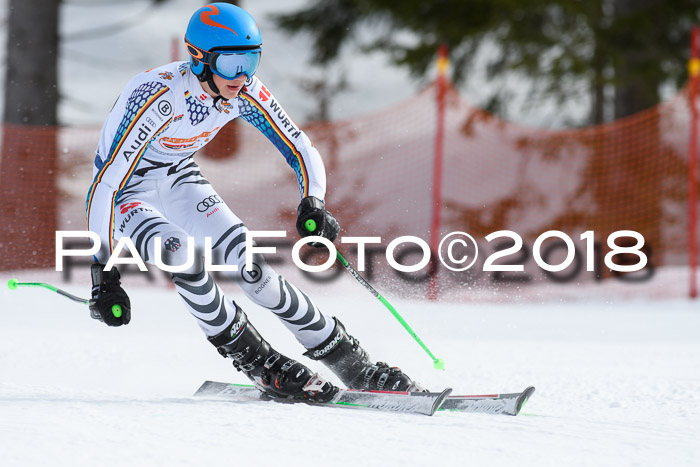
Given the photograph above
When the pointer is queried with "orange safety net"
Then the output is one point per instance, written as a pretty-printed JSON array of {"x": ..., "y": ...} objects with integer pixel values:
[{"x": 629, "y": 174}]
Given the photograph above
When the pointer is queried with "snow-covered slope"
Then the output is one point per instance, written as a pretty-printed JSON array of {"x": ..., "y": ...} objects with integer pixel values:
[{"x": 617, "y": 384}]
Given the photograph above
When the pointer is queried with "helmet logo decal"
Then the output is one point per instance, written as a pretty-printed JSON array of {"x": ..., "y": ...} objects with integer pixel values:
[
  {"x": 204, "y": 17},
  {"x": 195, "y": 52}
]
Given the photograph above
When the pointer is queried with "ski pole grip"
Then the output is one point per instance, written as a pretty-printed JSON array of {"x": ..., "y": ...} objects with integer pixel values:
[{"x": 310, "y": 225}]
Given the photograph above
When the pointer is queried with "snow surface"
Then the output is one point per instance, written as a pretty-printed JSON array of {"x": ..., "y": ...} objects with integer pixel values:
[{"x": 618, "y": 383}]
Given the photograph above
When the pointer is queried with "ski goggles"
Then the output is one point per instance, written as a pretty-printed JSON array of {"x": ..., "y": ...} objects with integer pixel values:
[
  {"x": 230, "y": 65},
  {"x": 228, "y": 62}
]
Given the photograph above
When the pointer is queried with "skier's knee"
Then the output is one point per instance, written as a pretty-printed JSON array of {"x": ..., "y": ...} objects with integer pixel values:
[{"x": 230, "y": 247}]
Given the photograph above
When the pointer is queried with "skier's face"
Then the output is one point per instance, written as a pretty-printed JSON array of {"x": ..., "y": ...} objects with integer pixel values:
[{"x": 229, "y": 89}]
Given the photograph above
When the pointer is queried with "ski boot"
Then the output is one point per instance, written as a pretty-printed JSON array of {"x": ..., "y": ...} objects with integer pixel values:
[
  {"x": 343, "y": 355},
  {"x": 271, "y": 372}
]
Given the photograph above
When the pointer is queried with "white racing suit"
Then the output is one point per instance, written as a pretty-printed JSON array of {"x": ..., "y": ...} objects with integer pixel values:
[{"x": 147, "y": 185}]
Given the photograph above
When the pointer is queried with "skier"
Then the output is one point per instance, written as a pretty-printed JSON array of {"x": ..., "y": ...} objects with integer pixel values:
[{"x": 147, "y": 185}]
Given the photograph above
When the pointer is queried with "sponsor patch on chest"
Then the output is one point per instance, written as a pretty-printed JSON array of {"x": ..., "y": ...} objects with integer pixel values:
[{"x": 184, "y": 144}]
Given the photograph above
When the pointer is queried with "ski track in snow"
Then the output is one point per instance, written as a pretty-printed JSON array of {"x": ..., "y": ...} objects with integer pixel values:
[{"x": 617, "y": 384}]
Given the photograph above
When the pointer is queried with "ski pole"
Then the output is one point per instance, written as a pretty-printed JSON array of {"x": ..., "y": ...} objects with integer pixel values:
[
  {"x": 12, "y": 284},
  {"x": 438, "y": 363}
]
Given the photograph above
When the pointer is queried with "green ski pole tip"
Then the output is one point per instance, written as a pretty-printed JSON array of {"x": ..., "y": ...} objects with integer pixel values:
[
  {"x": 117, "y": 311},
  {"x": 310, "y": 225},
  {"x": 12, "y": 284},
  {"x": 439, "y": 364}
]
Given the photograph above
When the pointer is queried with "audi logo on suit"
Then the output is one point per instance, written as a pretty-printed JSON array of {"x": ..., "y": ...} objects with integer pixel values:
[{"x": 208, "y": 203}]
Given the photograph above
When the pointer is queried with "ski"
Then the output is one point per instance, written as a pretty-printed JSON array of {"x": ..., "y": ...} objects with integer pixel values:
[
  {"x": 506, "y": 404},
  {"x": 416, "y": 402},
  {"x": 426, "y": 403}
]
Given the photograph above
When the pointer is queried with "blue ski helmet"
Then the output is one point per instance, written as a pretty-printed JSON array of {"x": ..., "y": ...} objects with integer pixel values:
[{"x": 224, "y": 39}]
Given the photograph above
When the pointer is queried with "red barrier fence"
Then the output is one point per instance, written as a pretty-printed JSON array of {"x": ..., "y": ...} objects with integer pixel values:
[{"x": 630, "y": 174}]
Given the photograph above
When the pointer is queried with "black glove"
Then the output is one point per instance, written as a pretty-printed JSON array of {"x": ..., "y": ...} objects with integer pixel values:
[
  {"x": 323, "y": 225},
  {"x": 106, "y": 293}
]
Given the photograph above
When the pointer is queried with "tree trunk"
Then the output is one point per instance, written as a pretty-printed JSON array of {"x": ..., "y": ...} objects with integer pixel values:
[
  {"x": 639, "y": 163},
  {"x": 28, "y": 160},
  {"x": 636, "y": 89},
  {"x": 599, "y": 62}
]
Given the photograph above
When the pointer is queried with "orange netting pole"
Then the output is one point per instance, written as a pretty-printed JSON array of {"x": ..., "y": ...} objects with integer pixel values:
[
  {"x": 694, "y": 72},
  {"x": 174, "y": 49},
  {"x": 441, "y": 87}
]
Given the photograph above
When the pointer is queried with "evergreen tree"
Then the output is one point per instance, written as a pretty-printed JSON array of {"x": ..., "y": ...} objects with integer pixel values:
[{"x": 634, "y": 46}]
